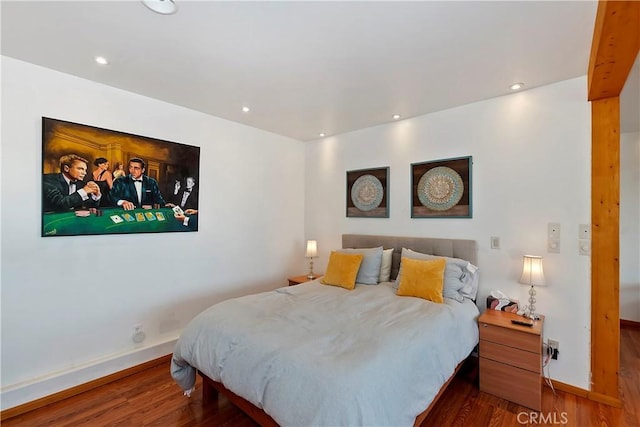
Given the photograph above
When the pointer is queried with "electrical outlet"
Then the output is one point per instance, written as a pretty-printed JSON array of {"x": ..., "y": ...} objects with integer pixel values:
[
  {"x": 138, "y": 334},
  {"x": 553, "y": 347}
]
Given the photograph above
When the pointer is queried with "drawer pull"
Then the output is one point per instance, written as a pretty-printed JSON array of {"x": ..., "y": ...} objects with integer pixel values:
[{"x": 484, "y": 325}]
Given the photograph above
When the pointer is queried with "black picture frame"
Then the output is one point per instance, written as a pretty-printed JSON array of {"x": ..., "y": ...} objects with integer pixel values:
[
  {"x": 368, "y": 193},
  {"x": 442, "y": 188},
  {"x": 171, "y": 170}
]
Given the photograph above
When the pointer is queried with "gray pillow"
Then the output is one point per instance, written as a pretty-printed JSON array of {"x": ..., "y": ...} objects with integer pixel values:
[
  {"x": 369, "y": 271},
  {"x": 460, "y": 276}
]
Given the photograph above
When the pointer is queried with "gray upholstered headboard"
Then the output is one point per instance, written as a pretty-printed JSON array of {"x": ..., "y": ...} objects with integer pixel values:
[{"x": 455, "y": 248}]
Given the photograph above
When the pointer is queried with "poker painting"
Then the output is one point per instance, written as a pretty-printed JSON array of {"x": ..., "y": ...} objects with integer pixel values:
[{"x": 97, "y": 181}]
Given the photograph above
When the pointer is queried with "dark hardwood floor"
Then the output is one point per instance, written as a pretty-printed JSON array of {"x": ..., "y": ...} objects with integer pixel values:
[{"x": 151, "y": 398}]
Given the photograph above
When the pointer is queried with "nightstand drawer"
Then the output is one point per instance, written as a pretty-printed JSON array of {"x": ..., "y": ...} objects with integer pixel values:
[
  {"x": 515, "y": 338},
  {"x": 511, "y": 356},
  {"x": 514, "y": 384}
]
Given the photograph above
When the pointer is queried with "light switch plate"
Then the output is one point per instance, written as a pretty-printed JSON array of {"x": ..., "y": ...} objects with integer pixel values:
[
  {"x": 584, "y": 231},
  {"x": 584, "y": 247},
  {"x": 495, "y": 242},
  {"x": 553, "y": 237}
]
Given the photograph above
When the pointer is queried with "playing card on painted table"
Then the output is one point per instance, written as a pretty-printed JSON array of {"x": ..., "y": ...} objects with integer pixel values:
[{"x": 116, "y": 218}]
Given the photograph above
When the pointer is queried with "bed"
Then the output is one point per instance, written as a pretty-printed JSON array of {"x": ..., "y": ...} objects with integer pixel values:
[{"x": 319, "y": 355}]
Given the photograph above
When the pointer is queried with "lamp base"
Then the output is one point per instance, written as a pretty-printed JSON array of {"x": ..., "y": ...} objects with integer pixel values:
[
  {"x": 532, "y": 308},
  {"x": 311, "y": 276}
]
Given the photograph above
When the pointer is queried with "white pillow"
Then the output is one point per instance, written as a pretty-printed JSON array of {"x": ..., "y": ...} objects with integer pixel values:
[
  {"x": 385, "y": 266},
  {"x": 370, "y": 267},
  {"x": 460, "y": 276}
]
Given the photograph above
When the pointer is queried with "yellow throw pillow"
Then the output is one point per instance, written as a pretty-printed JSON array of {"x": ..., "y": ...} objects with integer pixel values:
[
  {"x": 342, "y": 270},
  {"x": 422, "y": 279}
]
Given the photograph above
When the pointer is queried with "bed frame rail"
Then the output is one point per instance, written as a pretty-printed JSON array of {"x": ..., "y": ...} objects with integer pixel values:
[{"x": 211, "y": 388}]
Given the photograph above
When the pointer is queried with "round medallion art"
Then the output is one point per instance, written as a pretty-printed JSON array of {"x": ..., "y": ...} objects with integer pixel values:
[
  {"x": 367, "y": 193},
  {"x": 440, "y": 188}
]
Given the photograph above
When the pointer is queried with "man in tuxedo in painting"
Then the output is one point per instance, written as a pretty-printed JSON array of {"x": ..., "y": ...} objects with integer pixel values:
[
  {"x": 187, "y": 197},
  {"x": 136, "y": 189},
  {"x": 68, "y": 190}
]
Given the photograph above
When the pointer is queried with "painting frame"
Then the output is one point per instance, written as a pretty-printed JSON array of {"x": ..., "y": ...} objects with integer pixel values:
[
  {"x": 442, "y": 188},
  {"x": 81, "y": 195},
  {"x": 367, "y": 193}
]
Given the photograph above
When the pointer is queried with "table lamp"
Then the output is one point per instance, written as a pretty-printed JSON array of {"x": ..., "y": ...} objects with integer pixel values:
[
  {"x": 532, "y": 275},
  {"x": 312, "y": 252}
]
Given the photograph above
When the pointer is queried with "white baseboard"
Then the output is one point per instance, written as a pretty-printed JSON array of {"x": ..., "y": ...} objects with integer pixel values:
[{"x": 28, "y": 391}]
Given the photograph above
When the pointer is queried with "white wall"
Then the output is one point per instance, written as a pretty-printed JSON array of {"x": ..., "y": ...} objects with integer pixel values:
[
  {"x": 69, "y": 303},
  {"x": 630, "y": 226},
  {"x": 531, "y": 166},
  {"x": 62, "y": 326}
]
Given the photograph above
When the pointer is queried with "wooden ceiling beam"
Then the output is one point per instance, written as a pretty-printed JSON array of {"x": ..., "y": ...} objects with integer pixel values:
[{"x": 615, "y": 45}]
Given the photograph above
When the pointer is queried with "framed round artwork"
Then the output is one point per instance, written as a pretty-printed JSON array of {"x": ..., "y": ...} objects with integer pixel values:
[
  {"x": 441, "y": 188},
  {"x": 367, "y": 193}
]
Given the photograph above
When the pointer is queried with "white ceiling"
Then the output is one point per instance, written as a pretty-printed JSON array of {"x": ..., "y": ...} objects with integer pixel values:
[{"x": 308, "y": 67}]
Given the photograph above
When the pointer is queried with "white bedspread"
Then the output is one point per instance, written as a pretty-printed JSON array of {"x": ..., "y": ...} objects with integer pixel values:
[{"x": 318, "y": 355}]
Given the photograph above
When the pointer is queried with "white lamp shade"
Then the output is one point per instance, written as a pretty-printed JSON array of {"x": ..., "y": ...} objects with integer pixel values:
[
  {"x": 312, "y": 249},
  {"x": 532, "y": 273}
]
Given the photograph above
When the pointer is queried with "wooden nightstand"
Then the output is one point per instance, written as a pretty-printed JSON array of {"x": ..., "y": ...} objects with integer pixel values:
[
  {"x": 511, "y": 358},
  {"x": 296, "y": 280}
]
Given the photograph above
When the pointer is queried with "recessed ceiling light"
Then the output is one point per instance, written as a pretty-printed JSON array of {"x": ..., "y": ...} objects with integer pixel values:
[
  {"x": 396, "y": 116},
  {"x": 322, "y": 135},
  {"x": 516, "y": 86},
  {"x": 163, "y": 7},
  {"x": 101, "y": 60},
  {"x": 245, "y": 109}
]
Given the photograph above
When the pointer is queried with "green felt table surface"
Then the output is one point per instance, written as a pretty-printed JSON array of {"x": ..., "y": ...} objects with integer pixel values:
[{"x": 68, "y": 224}]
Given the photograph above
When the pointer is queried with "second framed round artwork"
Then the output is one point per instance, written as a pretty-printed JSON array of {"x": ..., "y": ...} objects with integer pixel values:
[{"x": 441, "y": 188}]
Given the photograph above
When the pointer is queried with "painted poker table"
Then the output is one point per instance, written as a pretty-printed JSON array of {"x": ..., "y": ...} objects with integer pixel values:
[{"x": 111, "y": 221}]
